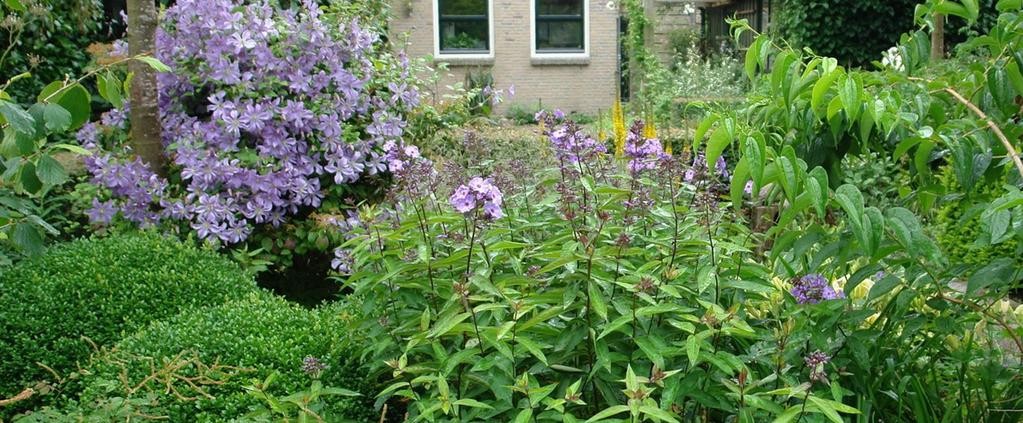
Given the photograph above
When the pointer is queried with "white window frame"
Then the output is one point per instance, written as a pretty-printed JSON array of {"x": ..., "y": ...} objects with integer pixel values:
[
  {"x": 585, "y": 54},
  {"x": 436, "y": 36}
]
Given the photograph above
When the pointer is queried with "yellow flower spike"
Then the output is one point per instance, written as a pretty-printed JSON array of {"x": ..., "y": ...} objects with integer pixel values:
[
  {"x": 1019, "y": 313},
  {"x": 618, "y": 126}
]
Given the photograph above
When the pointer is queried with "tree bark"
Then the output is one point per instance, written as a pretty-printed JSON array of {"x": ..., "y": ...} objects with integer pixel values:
[
  {"x": 146, "y": 131},
  {"x": 938, "y": 38}
]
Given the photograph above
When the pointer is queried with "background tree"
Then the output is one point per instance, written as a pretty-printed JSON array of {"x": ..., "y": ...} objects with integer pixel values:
[{"x": 143, "y": 18}]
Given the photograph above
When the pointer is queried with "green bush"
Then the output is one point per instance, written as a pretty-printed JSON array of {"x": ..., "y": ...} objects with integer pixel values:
[
  {"x": 99, "y": 289},
  {"x": 261, "y": 334}
]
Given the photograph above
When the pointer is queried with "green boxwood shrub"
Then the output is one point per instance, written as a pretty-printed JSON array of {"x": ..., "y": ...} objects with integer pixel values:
[
  {"x": 262, "y": 333},
  {"x": 101, "y": 289}
]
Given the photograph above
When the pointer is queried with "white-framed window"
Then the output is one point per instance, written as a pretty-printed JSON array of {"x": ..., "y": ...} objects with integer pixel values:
[
  {"x": 559, "y": 28},
  {"x": 463, "y": 28}
]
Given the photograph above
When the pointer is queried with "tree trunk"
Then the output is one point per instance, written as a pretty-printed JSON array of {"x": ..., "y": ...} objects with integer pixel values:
[
  {"x": 938, "y": 38},
  {"x": 146, "y": 130}
]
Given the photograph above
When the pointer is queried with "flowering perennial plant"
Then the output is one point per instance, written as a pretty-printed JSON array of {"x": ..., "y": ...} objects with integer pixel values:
[
  {"x": 814, "y": 288},
  {"x": 478, "y": 193},
  {"x": 266, "y": 113}
]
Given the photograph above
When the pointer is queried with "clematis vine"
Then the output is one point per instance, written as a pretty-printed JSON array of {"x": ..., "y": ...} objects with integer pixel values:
[{"x": 264, "y": 111}]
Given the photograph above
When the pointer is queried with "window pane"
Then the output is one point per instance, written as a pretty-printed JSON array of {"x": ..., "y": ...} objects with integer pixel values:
[
  {"x": 464, "y": 35},
  {"x": 559, "y": 35},
  {"x": 463, "y": 7},
  {"x": 559, "y": 7}
]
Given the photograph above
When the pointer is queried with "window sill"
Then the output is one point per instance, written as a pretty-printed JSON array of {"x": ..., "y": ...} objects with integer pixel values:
[
  {"x": 465, "y": 61},
  {"x": 560, "y": 60}
]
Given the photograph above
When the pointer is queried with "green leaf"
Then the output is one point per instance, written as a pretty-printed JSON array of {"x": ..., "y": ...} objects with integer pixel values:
[
  {"x": 596, "y": 299},
  {"x": 50, "y": 171},
  {"x": 826, "y": 408},
  {"x": 789, "y": 414},
  {"x": 1007, "y": 5},
  {"x": 469, "y": 402},
  {"x": 29, "y": 181},
  {"x": 524, "y": 415},
  {"x": 998, "y": 273},
  {"x": 702, "y": 129},
  {"x": 719, "y": 140},
  {"x": 820, "y": 89},
  {"x": 155, "y": 63},
  {"x": 657, "y": 413},
  {"x": 532, "y": 347},
  {"x": 443, "y": 326},
  {"x": 608, "y": 412},
  {"x": 753, "y": 56},
  {"x": 27, "y": 238},
  {"x": 110, "y": 89},
  {"x": 58, "y": 119},
  {"x": 18, "y": 118},
  {"x": 15, "y": 5}
]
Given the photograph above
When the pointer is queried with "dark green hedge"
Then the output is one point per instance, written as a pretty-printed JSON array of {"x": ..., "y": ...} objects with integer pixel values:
[
  {"x": 855, "y": 32},
  {"x": 264, "y": 333},
  {"x": 101, "y": 289}
]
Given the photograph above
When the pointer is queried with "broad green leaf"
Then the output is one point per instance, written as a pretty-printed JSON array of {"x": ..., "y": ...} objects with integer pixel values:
[
  {"x": 27, "y": 238},
  {"x": 58, "y": 119},
  {"x": 155, "y": 63},
  {"x": 719, "y": 140},
  {"x": 18, "y": 118},
  {"x": 702, "y": 129},
  {"x": 998, "y": 273},
  {"x": 50, "y": 171},
  {"x": 820, "y": 89}
]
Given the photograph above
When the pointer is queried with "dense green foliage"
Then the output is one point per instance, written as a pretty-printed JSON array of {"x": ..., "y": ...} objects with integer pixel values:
[
  {"x": 261, "y": 334},
  {"x": 854, "y": 32},
  {"x": 94, "y": 291},
  {"x": 50, "y": 41}
]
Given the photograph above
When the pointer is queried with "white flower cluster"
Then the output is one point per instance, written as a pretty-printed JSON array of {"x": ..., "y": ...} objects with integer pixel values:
[{"x": 892, "y": 59}]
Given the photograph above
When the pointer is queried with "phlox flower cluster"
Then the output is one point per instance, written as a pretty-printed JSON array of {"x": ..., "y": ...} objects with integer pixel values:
[
  {"x": 814, "y": 288},
  {"x": 478, "y": 192},
  {"x": 816, "y": 362},
  {"x": 263, "y": 111},
  {"x": 644, "y": 153},
  {"x": 571, "y": 144}
]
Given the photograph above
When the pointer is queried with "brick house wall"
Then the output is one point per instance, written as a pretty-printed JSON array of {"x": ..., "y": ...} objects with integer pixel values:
[{"x": 584, "y": 85}]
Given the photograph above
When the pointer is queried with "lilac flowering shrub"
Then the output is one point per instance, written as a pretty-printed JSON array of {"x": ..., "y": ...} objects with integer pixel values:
[{"x": 271, "y": 119}]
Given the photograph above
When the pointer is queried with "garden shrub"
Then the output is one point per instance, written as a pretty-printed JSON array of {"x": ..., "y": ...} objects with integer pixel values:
[
  {"x": 263, "y": 333},
  {"x": 99, "y": 289}
]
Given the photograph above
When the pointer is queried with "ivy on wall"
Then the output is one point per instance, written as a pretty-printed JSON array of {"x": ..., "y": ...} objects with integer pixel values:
[{"x": 855, "y": 32}]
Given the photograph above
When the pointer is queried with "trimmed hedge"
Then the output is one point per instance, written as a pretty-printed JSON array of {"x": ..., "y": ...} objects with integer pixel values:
[
  {"x": 101, "y": 289},
  {"x": 263, "y": 333}
]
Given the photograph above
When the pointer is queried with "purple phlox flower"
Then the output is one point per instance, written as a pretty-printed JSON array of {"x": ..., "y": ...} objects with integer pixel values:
[
  {"x": 814, "y": 288},
  {"x": 478, "y": 192},
  {"x": 816, "y": 362},
  {"x": 644, "y": 153},
  {"x": 313, "y": 366}
]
